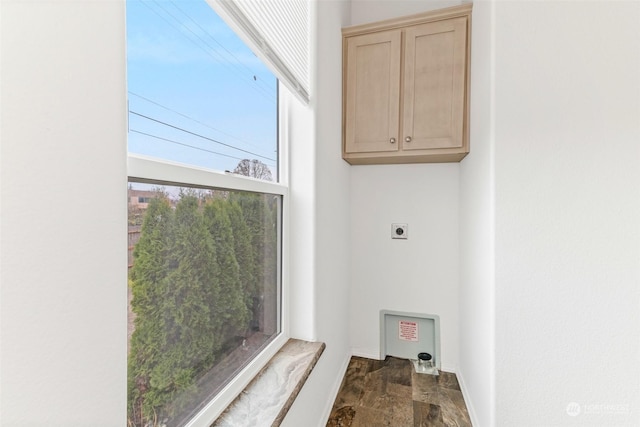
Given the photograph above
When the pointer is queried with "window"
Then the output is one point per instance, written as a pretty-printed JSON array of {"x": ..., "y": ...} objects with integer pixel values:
[
  {"x": 204, "y": 297},
  {"x": 207, "y": 215},
  {"x": 197, "y": 94}
]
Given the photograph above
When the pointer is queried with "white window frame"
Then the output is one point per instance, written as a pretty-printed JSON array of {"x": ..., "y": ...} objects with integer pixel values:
[{"x": 147, "y": 169}]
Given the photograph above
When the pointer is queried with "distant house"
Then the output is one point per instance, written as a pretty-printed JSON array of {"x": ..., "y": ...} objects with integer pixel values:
[{"x": 140, "y": 199}]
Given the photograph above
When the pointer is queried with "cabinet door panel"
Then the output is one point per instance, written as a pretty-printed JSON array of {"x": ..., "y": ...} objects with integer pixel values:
[
  {"x": 434, "y": 85},
  {"x": 372, "y": 108}
]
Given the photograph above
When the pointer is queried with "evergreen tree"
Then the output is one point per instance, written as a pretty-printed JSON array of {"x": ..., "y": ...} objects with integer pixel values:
[
  {"x": 245, "y": 257},
  {"x": 260, "y": 215},
  {"x": 191, "y": 325},
  {"x": 175, "y": 289},
  {"x": 270, "y": 264},
  {"x": 230, "y": 306},
  {"x": 201, "y": 277},
  {"x": 252, "y": 208},
  {"x": 148, "y": 289}
]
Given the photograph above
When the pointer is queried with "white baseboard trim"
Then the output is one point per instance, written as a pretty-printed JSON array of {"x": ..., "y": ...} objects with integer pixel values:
[
  {"x": 334, "y": 391},
  {"x": 448, "y": 368},
  {"x": 467, "y": 399},
  {"x": 367, "y": 353}
]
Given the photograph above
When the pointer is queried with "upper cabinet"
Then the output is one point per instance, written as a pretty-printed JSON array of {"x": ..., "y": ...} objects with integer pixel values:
[{"x": 406, "y": 89}]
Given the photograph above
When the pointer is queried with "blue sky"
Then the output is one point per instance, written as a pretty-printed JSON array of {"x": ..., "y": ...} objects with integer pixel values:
[{"x": 187, "y": 69}]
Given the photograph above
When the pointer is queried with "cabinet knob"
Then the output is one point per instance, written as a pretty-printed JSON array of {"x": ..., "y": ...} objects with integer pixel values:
[
  {"x": 407, "y": 139},
  {"x": 392, "y": 140}
]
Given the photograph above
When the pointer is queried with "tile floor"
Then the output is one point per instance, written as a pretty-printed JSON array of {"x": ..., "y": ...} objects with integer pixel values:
[{"x": 376, "y": 393}]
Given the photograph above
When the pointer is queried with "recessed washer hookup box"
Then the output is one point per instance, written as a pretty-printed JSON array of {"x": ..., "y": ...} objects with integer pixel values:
[{"x": 404, "y": 335}]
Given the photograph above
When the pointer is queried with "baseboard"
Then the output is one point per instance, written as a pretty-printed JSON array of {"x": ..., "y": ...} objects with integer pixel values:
[
  {"x": 334, "y": 391},
  {"x": 367, "y": 353},
  {"x": 467, "y": 399}
]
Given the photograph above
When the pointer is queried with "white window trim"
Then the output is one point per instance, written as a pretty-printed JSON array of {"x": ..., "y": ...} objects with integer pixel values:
[
  {"x": 144, "y": 168},
  {"x": 148, "y": 169}
]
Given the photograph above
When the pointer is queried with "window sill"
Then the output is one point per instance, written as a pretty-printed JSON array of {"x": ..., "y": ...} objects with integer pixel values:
[{"x": 267, "y": 399}]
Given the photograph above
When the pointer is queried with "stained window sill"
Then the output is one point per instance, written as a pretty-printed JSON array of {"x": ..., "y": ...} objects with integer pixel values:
[{"x": 267, "y": 399}]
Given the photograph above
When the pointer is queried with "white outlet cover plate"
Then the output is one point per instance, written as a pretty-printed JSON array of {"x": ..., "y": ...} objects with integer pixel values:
[{"x": 399, "y": 231}]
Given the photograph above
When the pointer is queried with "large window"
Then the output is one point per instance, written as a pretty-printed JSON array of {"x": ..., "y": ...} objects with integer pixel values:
[{"x": 206, "y": 214}]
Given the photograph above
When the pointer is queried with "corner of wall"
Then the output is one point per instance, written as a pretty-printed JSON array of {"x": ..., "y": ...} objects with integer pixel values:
[{"x": 477, "y": 252}]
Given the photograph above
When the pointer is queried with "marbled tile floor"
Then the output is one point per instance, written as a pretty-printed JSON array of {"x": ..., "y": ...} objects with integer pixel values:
[{"x": 376, "y": 393}]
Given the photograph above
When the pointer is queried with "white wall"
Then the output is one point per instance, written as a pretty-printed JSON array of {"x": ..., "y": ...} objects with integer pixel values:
[
  {"x": 365, "y": 11},
  {"x": 299, "y": 128},
  {"x": 419, "y": 274},
  {"x": 324, "y": 246},
  {"x": 567, "y": 213},
  {"x": 477, "y": 358},
  {"x": 63, "y": 200}
]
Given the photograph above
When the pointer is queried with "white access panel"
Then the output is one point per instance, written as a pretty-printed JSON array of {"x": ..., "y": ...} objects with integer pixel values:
[{"x": 404, "y": 335}]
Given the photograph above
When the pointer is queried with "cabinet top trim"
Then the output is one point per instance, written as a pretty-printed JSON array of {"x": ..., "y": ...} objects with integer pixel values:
[{"x": 404, "y": 21}]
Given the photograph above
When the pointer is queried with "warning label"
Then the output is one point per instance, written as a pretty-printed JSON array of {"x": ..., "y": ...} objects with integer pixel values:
[{"x": 408, "y": 331}]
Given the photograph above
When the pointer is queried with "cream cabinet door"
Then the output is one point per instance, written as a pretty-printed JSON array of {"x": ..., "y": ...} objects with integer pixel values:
[
  {"x": 372, "y": 90},
  {"x": 434, "y": 85}
]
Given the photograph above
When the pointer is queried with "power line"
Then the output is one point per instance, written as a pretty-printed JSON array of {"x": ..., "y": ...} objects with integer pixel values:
[
  {"x": 199, "y": 136},
  {"x": 239, "y": 62},
  {"x": 194, "y": 120},
  {"x": 183, "y": 144},
  {"x": 212, "y": 50}
]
